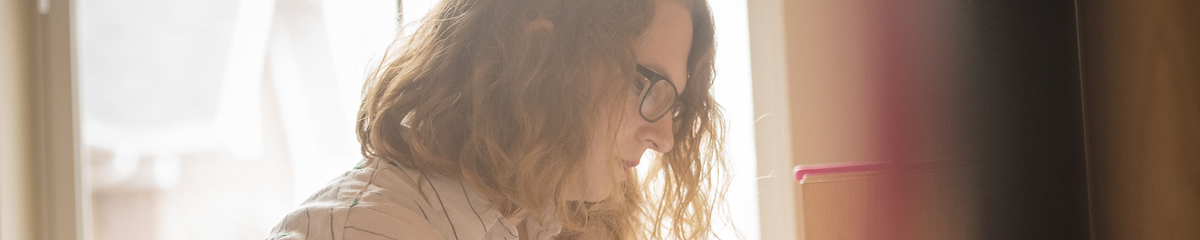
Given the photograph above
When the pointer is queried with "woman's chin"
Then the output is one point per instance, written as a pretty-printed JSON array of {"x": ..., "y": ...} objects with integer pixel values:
[
  {"x": 594, "y": 192},
  {"x": 596, "y": 195}
]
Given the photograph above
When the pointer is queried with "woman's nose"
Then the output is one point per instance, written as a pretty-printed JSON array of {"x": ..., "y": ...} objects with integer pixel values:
[{"x": 658, "y": 135}]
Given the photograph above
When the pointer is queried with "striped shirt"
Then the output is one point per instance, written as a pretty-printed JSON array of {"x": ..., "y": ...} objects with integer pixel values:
[{"x": 382, "y": 200}]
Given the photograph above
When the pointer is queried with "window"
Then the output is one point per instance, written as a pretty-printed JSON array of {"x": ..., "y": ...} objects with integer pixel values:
[{"x": 213, "y": 119}]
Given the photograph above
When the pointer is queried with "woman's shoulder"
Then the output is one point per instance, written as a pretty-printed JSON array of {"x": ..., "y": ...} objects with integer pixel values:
[
  {"x": 360, "y": 204},
  {"x": 379, "y": 199},
  {"x": 349, "y": 221}
]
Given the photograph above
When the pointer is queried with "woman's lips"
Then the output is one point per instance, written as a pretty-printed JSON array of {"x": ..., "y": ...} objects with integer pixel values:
[{"x": 631, "y": 163}]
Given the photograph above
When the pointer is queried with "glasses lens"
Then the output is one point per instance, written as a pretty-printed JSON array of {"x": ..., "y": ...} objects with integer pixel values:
[{"x": 659, "y": 99}]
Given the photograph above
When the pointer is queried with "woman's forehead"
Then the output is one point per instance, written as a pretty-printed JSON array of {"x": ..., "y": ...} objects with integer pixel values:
[{"x": 665, "y": 45}]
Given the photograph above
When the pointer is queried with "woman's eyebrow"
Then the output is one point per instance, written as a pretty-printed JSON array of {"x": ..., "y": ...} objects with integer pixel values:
[{"x": 658, "y": 69}]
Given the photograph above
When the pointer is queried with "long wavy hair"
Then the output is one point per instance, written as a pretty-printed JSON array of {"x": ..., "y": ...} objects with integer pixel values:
[{"x": 502, "y": 94}]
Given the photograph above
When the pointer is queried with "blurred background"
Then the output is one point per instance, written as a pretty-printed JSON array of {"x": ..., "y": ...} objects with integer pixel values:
[
  {"x": 848, "y": 119},
  {"x": 211, "y": 119},
  {"x": 214, "y": 119}
]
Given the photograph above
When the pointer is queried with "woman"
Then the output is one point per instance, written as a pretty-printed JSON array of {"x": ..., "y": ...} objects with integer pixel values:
[{"x": 523, "y": 119}]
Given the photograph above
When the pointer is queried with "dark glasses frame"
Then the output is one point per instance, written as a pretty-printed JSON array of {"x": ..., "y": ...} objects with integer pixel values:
[{"x": 654, "y": 78}]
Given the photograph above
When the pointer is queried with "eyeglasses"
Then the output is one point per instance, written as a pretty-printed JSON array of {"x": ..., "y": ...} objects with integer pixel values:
[{"x": 658, "y": 94}]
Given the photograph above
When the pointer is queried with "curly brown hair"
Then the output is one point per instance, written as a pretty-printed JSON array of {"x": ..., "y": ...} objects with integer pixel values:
[{"x": 480, "y": 94}]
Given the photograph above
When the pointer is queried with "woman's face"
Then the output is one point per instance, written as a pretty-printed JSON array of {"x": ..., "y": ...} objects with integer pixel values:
[{"x": 663, "y": 48}]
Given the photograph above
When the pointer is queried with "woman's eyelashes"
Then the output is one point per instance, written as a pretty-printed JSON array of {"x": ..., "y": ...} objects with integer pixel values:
[{"x": 639, "y": 83}]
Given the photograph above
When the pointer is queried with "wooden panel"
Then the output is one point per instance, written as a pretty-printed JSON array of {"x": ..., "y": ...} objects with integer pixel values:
[
  {"x": 836, "y": 206},
  {"x": 1142, "y": 86},
  {"x": 848, "y": 205}
]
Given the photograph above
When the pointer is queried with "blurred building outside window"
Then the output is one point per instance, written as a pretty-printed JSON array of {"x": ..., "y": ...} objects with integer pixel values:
[{"x": 214, "y": 119}]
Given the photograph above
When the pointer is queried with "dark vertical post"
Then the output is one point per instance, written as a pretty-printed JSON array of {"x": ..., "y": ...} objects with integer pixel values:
[{"x": 1027, "y": 122}]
